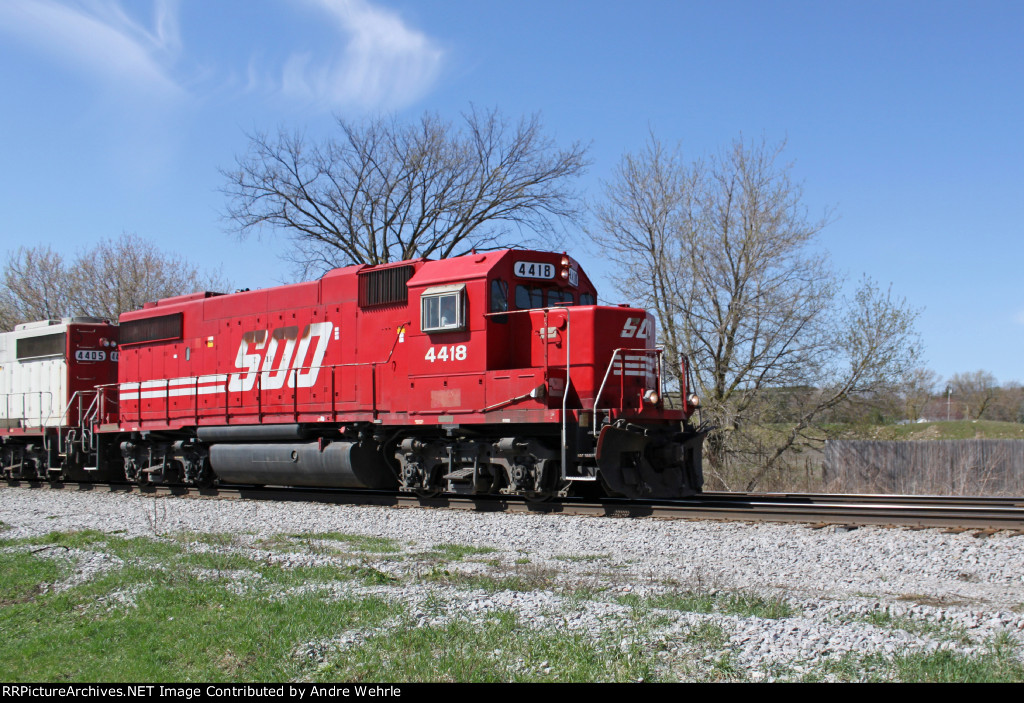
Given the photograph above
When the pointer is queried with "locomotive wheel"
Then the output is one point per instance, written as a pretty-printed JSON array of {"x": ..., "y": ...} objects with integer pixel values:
[{"x": 211, "y": 481}]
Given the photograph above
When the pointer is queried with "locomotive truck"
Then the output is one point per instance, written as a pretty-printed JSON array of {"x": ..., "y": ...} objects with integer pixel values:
[{"x": 491, "y": 373}]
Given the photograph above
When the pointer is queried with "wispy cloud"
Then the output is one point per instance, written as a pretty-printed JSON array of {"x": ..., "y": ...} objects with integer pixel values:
[
  {"x": 376, "y": 61},
  {"x": 99, "y": 37},
  {"x": 384, "y": 63}
]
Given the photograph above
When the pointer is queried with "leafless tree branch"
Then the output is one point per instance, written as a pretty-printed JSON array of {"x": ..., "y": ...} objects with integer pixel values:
[
  {"x": 115, "y": 276},
  {"x": 725, "y": 253},
  {"x": 385, "y": 191}
]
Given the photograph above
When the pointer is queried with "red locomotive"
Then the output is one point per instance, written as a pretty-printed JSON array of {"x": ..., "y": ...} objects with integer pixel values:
[{"x": 488, "y": 373}]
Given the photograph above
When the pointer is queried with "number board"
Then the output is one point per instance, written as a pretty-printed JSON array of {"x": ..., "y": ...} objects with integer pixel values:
[{"x": 533, "y": 269}]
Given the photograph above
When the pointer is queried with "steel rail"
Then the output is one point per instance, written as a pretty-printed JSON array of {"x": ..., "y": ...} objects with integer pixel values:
[
  {"x": 985, "y": 512},
  {"x": 905, "y": 499}
]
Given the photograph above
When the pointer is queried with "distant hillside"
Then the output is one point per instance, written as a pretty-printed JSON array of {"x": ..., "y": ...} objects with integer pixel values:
[{"x": 959, "y": 429}]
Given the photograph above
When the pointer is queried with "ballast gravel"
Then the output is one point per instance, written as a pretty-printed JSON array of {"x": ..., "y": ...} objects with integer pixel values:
[{"x": 848, "y": 592}]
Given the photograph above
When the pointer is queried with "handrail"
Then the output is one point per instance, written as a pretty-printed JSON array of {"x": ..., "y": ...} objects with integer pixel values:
[
  {"x": 24, "y": 412},
  {"x": 85, "y": 416},
  {"x": 568, "y": 365},
  {"x": 93, "y": 409},
  {"x": 600, "y": 391},
  {"x": 611, "y": 365},
  {"x": 102, "y": 393},
  {"x": 291, "y": 373}
]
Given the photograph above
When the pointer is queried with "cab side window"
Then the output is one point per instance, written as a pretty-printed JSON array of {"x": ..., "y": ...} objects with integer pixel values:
[
  {"x": 499, "y": 296},
  {"x": 587, "y": 299},
  {"x": 443, "y": 309}
]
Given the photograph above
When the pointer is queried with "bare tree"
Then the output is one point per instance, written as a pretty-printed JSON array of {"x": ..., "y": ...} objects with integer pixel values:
[
  {"x": 868, "y": 347},
  {"x": 976, "y": 391},
  {"x": 649, "y": 213},
  {"x": 115, "y": 276},
  {"x": 917, "y": 391},
  {"x": 36, "y": 286},
  {"x": 122, "y": 274},
  {"x": 1008, "y": 405},
  {"x": 386, "y": 191},
  {"x": 724, "y": 251}
]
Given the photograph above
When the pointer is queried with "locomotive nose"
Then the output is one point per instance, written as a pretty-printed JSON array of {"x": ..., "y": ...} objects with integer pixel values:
[{"x": 639, "y": 462}]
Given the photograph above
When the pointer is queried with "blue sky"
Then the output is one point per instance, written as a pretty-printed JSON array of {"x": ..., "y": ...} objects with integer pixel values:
[{"x": 905, "y": 117}]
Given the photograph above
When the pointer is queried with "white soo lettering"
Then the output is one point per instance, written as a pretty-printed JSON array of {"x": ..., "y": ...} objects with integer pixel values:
[
  {"x": 630, "y": 329},
  {"x": 257, "y": 358}
]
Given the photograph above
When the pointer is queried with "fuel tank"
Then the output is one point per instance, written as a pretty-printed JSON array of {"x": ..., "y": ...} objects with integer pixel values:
[{"x": 334, "y": 465}]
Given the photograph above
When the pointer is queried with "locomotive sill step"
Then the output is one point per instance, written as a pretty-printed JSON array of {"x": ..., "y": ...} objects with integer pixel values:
[
  {"x": 90, "y": 468},
  {"x": 581, "y": 478},
  {"x": 458, "y": 474}
]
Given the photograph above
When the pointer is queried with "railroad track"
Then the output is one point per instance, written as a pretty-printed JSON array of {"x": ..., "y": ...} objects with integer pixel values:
[{"x": 816, "y": 509}]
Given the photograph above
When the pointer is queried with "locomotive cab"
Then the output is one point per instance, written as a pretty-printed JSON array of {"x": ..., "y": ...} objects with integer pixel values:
[{"x": 551, "y": 384}]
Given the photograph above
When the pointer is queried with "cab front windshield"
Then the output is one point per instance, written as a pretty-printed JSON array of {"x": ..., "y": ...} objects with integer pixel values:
[{"x": 530, "y": 297}]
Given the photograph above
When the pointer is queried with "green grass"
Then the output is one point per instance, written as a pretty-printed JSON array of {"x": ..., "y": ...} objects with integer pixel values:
[
  {"x": 168, "y": 608},
  {"x": 717, "y": 662},
  {"x": 498, "y": 649},
  {"x": 358, "y": 543},
  {"x": 183, "y": 626},
  {"x": 727, "y": 603},
  {"x": 276, "y": 543},
  {"x": 521, "y": 578},
  {"x": 999, "y": 663},
  {"x": 24, "y": 576},
  {"x": 949, "y": 667},
  {"x": 684, "y": 602},
  {"x": 369, "y": 576},
  {"x": 754, "y": 605},
  {"x": 581, "y": 557},
  {"x": 580, "y": 591},
  {"x": 918, "y": 626},
  {"x": 218, "y": 539},
  {"x": 453, "y": 551},
  {"x": 707, "y": 635},
  {"x": 174, "y": 615},
  {"x": 80, "y": 539},
  {"x": 958, "y": 429}
]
